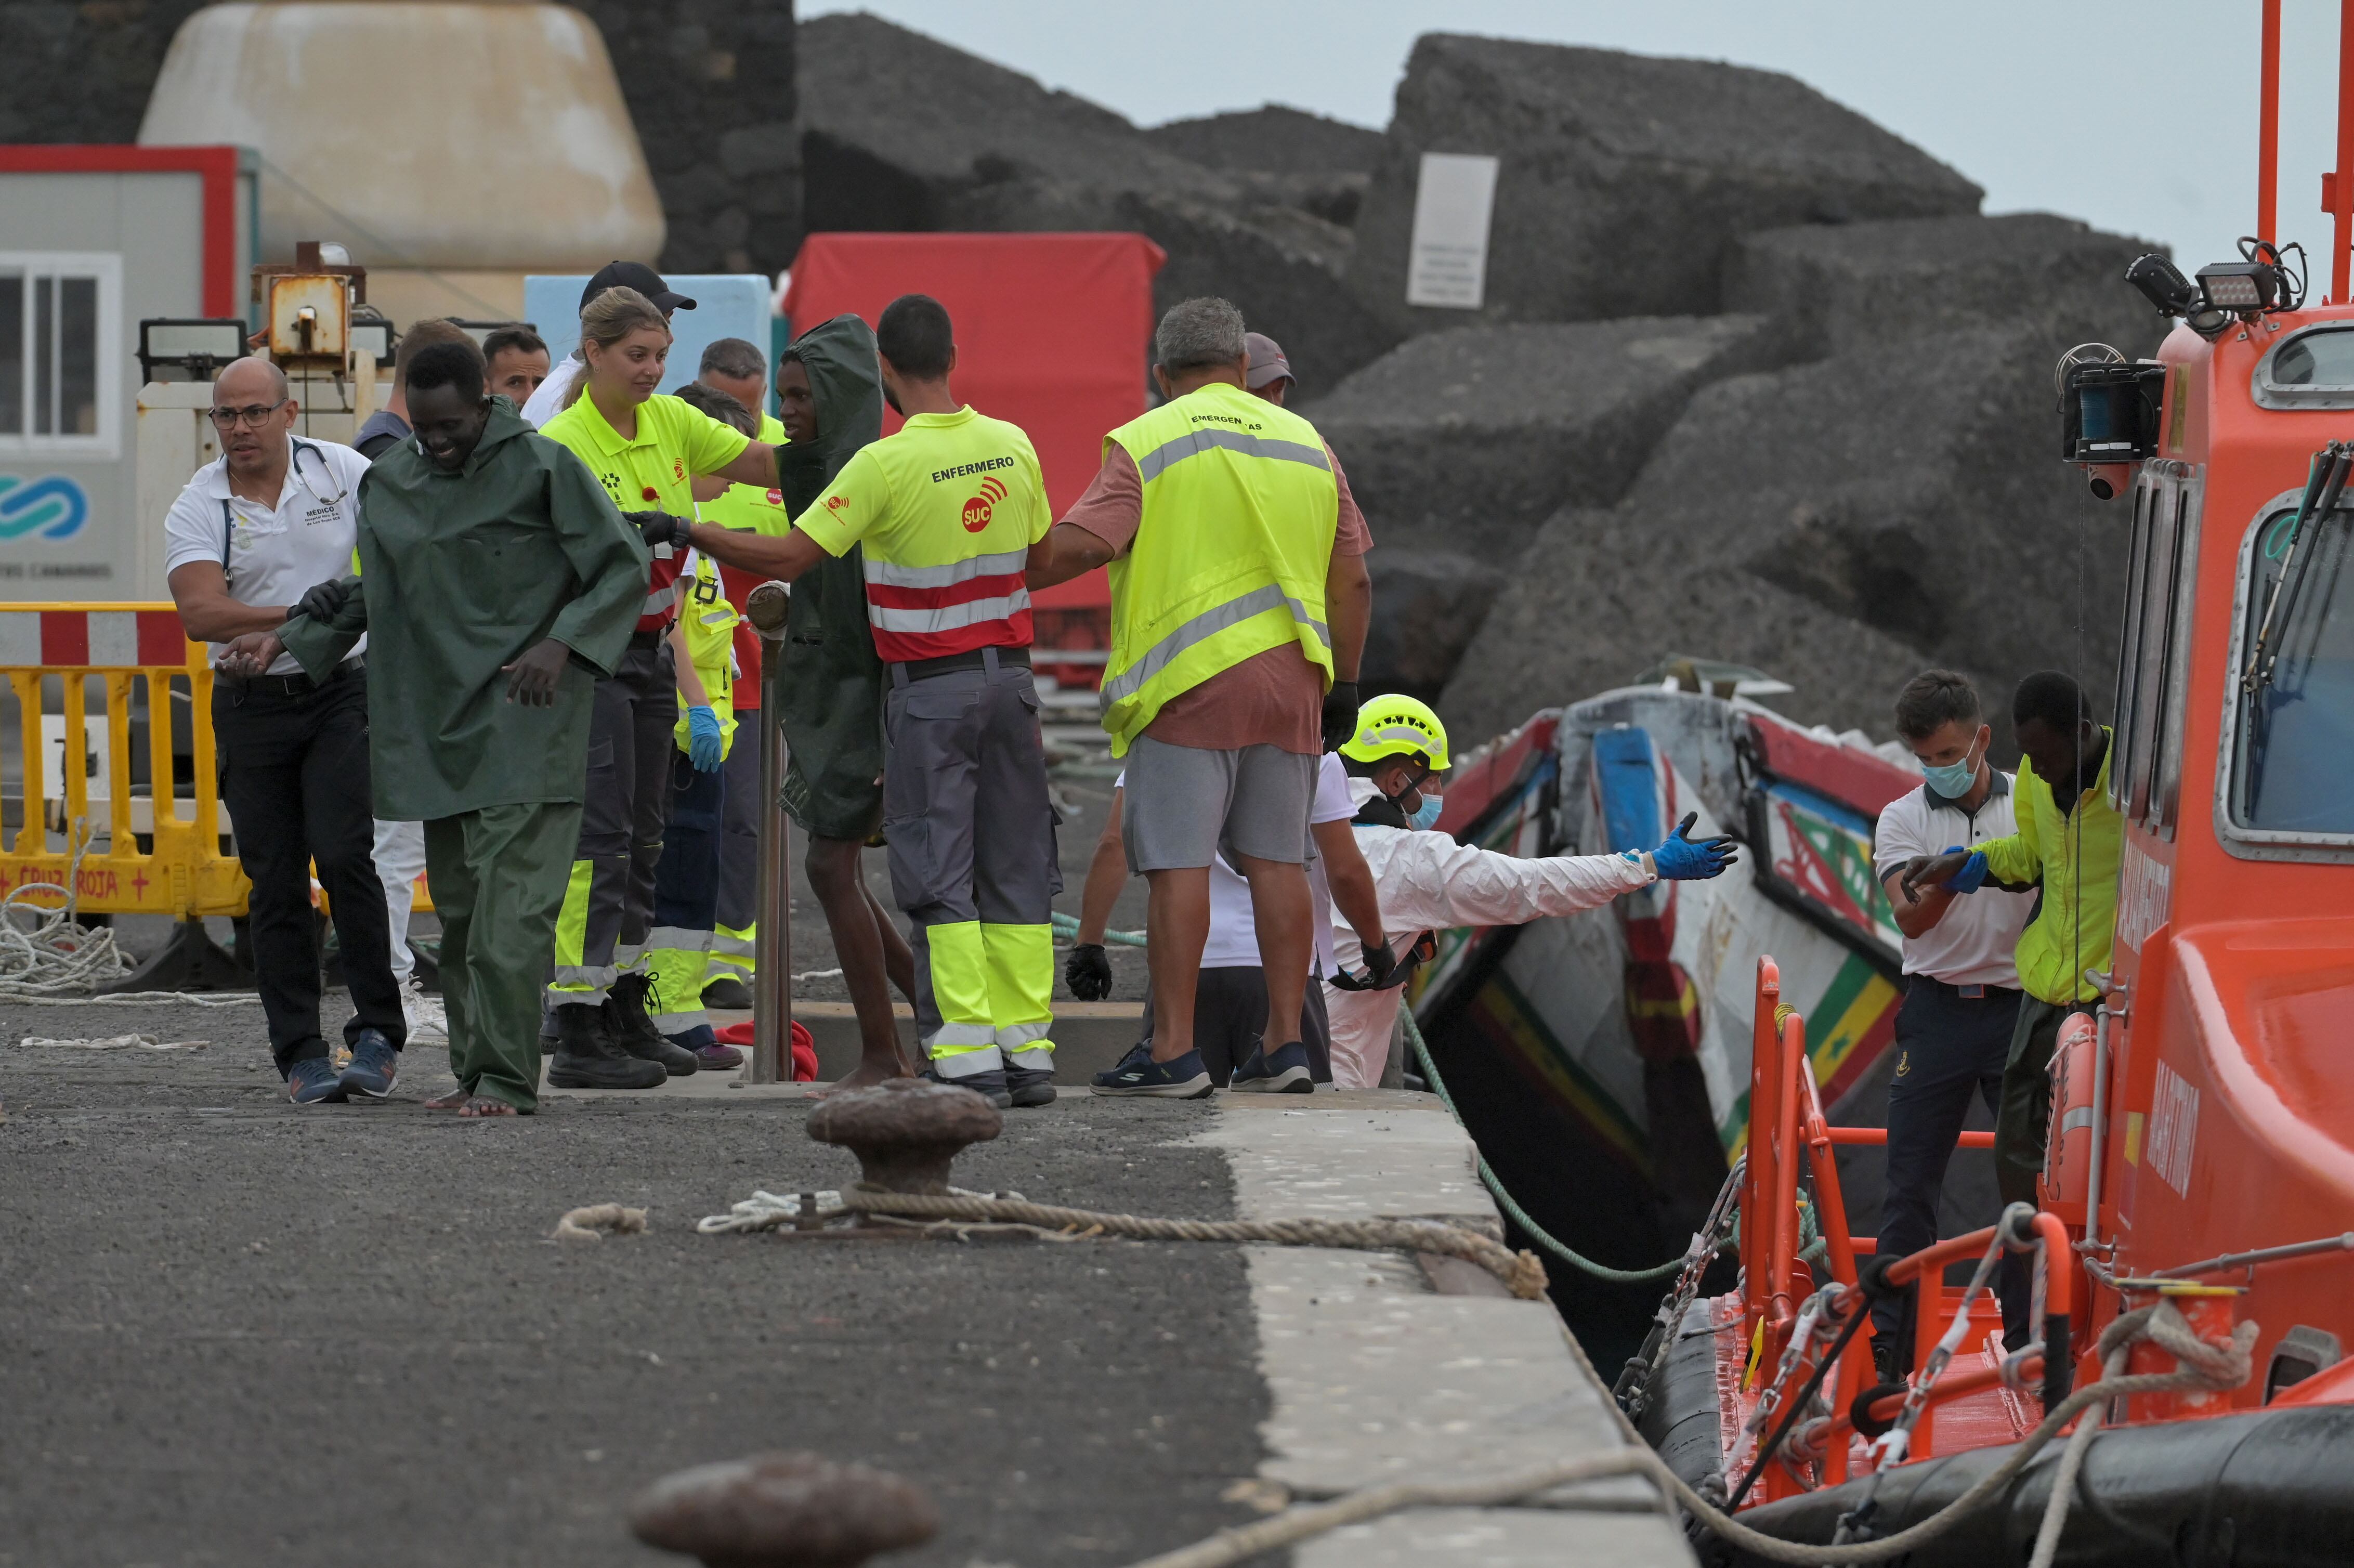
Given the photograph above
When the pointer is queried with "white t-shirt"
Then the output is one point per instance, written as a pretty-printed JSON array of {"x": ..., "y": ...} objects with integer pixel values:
[
  {"x": 548, "y": 400},
  {"x": 272, "y": 555},
  {"x": 1234, "y": 930},
  {"x": 1333, "y": 803},
  {"x": 1977, "y": 940}
]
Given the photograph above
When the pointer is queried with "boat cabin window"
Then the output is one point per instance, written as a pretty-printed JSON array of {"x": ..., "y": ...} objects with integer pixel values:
[
  {"x": 2293, "y": 749},
  {"x": 2309, "y": 369},
  {"x": 2154, "y": 654}
]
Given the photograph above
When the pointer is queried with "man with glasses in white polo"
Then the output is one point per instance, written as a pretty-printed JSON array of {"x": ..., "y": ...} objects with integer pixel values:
[{"x": 274, "y": 516}]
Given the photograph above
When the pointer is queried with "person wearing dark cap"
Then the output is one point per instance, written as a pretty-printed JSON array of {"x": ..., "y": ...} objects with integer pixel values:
[
  {"x": 556, "y": 390},
  {"x": 1269, "y": 376}
]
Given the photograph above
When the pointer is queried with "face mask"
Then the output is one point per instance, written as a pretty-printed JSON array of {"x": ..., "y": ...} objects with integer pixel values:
[
  {"x": 1953, "y": 779},
  {"x": 1426, "y": 816}
]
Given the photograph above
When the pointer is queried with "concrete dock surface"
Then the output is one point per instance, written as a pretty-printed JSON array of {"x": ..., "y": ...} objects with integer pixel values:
[{"x": 237, "y": 1332}]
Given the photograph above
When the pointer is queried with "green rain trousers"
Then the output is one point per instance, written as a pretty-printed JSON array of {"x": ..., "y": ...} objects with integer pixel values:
[{"x": 498, "y": 878}]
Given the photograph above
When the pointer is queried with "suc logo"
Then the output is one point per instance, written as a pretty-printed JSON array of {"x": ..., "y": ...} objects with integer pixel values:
[{"x": 52, "y": 506}]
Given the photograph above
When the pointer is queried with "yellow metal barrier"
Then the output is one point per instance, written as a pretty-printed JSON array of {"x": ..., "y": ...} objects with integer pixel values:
[{"x": 184, "y": 874}]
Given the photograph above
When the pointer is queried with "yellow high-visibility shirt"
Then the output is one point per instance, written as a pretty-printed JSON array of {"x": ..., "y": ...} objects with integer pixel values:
[
  {"x": 675, "y": 441},
  {"x": 946, "y": 510}
]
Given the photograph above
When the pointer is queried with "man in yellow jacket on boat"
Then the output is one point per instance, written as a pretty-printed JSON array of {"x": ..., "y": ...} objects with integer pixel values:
[{"x": 2068, "y": 840}]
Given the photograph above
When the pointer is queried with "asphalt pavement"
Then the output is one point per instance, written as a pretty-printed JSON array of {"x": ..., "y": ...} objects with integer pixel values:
[{"x": 235, "y": 1332}]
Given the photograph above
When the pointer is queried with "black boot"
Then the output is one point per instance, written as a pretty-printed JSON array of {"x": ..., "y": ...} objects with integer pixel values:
[
  {"x": 728, "y": 994},
  {"x": 588, "y": 1057},
  {"x": 634, "y": 1028}
]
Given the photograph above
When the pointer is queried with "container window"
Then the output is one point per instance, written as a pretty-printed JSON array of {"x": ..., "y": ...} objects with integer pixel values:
[
  {"x": 2154, "y": 608},
  {"x": 12, "y": 353},
  {"x": 2166, "y": 768},
  {"x": 2294, "y": 747},
  {"x": 58, "y": 372}
]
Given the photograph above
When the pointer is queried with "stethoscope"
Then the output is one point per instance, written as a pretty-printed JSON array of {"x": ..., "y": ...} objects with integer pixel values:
[
  {"x": 228, "y": 516},
  {"x": 342, "y": 492}
]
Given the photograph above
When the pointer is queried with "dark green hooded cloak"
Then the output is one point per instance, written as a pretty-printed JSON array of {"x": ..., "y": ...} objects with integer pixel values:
[{"x": 831, "y": 696}]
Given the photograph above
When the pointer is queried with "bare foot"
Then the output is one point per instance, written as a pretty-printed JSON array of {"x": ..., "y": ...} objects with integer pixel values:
[
  {"x": 451, "y": 1099},
  {"x": 865, "y": 1075},
  {"x": 484, "y": 1106}
]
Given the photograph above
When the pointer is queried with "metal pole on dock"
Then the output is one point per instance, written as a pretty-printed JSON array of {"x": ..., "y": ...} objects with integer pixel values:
[{"x": 772, "y": 989}]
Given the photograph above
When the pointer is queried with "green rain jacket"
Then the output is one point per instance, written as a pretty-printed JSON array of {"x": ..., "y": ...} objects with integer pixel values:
[
  {"x": 831, "y": 701},
  {"x": 460, "y": 573}
]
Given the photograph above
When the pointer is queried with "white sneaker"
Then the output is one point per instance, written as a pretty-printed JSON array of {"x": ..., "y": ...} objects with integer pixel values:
[{"x": 426, "y": 1019}]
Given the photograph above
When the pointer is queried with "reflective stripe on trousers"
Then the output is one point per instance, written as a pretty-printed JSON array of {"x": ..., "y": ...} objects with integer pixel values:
[
  {"x": 1201, "y": 629},
  {"x": 676, "y": 959}
]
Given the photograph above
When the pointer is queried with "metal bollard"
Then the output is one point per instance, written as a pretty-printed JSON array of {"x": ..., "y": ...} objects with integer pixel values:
[{"x": 772, "y": 989}]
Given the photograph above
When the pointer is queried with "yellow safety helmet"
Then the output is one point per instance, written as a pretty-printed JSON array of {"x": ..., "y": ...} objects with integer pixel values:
[{"x": 1394, "y": 726}]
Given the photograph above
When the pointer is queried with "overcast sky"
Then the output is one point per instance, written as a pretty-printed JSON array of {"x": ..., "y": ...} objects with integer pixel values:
[{"x": 2135, "y": 117}]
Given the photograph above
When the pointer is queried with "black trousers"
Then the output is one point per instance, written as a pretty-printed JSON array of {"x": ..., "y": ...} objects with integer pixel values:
[
  {"x": 294, "y": 776},
  {"x": 1948, "y": 1047}
]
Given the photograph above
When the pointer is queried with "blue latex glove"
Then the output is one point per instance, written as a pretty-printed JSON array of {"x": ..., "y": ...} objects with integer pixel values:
[
  {"x": 1683, "y": 858},
  {"x": 705, "y": 746},
  {"x": 1973, "y": 875}
]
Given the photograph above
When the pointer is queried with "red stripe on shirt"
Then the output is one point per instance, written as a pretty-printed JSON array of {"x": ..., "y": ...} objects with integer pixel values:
[
  {"x": 906, "y": 647},
  {"x": 660, "y": 576},
  {"x": 890, "y": 595}
]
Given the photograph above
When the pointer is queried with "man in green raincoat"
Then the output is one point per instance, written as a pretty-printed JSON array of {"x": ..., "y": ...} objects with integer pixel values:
[
  {"x": 830, "y": 395},
  {"x": 497, "y": 582}
]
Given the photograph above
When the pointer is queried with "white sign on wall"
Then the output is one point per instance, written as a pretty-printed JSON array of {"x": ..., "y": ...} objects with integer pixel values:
[{"x": 1453, "y": 201}]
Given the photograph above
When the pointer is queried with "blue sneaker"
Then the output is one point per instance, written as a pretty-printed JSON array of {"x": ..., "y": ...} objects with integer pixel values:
[
  {"x": 314, "y": 1082},
  {"x": 1140, "y": 1052},
  {"x": 1183, "y": 1079},
  {"x": 1284, "y": 1071},
  {"x": 375, "y": 1067}
]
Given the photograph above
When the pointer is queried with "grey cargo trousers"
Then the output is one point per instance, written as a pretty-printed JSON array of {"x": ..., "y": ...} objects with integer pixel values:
[{"x": 972, "y": 855}]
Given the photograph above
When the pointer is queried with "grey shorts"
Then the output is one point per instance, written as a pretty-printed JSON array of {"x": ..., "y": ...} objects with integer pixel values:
[{"x": 1184, "y": 804}]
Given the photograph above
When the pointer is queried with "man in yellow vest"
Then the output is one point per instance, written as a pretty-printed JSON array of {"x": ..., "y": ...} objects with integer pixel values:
[
  {"x": 947, "y": 512},
  {"x": 1239, "y": 605}
]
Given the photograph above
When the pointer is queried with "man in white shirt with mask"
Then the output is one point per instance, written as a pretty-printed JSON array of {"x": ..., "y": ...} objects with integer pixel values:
[
  {"x": 1396, "y": 761},
  {"x": 274, "y": 516},
  {"x": 1961, "y": 983}
]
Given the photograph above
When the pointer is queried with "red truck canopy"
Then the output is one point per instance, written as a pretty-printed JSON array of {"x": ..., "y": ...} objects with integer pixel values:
[{"x": 1053, "y": 333}]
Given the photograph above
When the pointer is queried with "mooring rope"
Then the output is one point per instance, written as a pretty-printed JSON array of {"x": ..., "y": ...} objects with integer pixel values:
[
  {"x": 2204, "y": 1366},
  {"x": 1521, "y": 1273}
]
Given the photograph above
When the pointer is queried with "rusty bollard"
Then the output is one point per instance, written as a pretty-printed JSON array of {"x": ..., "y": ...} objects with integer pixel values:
[
  {"x": 906, "y": 1132},
  {"x": 782, "y": 1510}
]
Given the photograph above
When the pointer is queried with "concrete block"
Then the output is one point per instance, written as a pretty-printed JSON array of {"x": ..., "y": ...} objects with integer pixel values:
[
  {"x": 1848, "y": 287},
  {"x": 901, "y": 132},
  {"x": 1427, "y": 606},
  {"x": 1625, "y": 179},
  {"x": 1839, "y": 525},
  {"x": 1466, "y": 440},
  {"x": 1283, "y": 155}
]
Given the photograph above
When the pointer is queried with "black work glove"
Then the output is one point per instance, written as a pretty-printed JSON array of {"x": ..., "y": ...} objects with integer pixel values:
[
  {"x": 1340, "y": 707},
  {"x": 322, "y": 601},
  {"x": 531, "y": 678},
  {"x": 1088, "y": 971},
  {"x": 658, "y": 527},
  {"x": 1380, "y": 963}
]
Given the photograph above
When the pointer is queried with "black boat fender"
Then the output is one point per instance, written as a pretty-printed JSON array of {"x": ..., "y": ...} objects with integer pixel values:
[
  {"x": 1680, "y": 1417},
  {"x": 2262, "y": 1489}
]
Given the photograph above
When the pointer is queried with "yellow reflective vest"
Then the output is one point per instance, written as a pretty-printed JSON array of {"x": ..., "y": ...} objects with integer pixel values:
[
  {"x": 2075, "y": 857},
  {"x": 1229, "y": 560},
  {"x": 708, "y": 623}
]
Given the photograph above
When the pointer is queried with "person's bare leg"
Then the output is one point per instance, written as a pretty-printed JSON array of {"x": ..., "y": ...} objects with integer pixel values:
[
  {"x": 898, "y": 959},
  {"x": 1280, "y": 911},
  {"x": 837, "y": 879},
  {"x": 1176, "y": 929}
]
